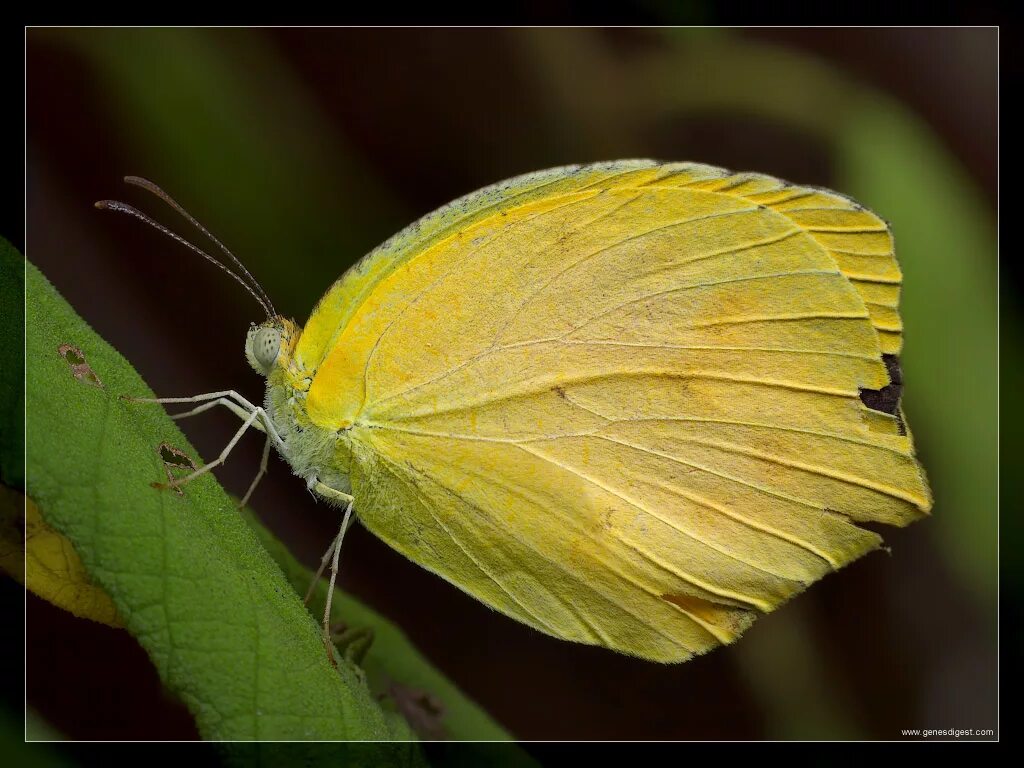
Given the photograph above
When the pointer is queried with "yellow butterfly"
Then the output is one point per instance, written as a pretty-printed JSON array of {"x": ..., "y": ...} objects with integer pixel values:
[{"x": 629, "y": 404}]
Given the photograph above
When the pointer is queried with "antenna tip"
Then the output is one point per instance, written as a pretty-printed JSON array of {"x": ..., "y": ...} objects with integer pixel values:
[
  {"x": 138, "y": 181},
  {"x": 102, "y": 204}
]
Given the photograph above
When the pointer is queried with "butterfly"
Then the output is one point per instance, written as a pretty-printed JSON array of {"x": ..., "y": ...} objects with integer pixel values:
[{"x": 631, "y": 404}]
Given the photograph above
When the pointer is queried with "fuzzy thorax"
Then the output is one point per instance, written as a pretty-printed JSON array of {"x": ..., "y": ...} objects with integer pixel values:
[{"x": 314, "y": 453}]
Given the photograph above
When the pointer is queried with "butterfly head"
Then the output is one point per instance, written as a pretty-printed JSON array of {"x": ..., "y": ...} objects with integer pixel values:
[{"x": 270, "y": 344}]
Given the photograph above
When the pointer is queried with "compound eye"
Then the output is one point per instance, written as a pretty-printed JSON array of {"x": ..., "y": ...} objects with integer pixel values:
[{"x": 266, "y": 345}]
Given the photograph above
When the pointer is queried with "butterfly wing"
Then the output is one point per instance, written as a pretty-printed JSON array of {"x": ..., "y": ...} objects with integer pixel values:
[{"x": 622, "y": 403}]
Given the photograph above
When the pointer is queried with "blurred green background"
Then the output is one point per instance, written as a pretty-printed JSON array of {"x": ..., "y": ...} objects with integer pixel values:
[{"x": 303, "y": 149}]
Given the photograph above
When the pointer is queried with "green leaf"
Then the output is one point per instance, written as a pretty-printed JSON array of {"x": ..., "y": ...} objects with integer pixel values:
[
  {"x": 946, "y": 246},
  {"x": 391, "y": 658},
  {"x": 224, "y": 628}
]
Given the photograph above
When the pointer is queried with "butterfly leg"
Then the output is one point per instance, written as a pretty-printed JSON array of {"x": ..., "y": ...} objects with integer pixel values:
[
  {"x": 226, "y": 393},
  {"x": 335, "y": 551},
  {"x": 230, "y": 399},
  {"x": 252, "y": 415},
  {"x": 325, "y": 559},
  {"x": 232, "y": 406},
  {"x": 220, "y": 459},
  {"x": 242, "y": 414},
  {"x": 259, "y": 475}
]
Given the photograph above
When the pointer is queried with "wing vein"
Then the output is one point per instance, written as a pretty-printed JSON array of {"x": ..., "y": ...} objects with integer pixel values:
[
  {"x": 684, "y": 288},
  {"x": 785, "y": 318},
  {"x": 730, "y": 250},
  {"x": 695, "y": 498},
  {"x": 613, "y": 421},
  {"x": 645, "y": 345},
  {"x": 608, "y": 247},
  {"x": 428, "y": 506},
  {"x": 503, "y": 233},
  {"x": 753, "y": 602},
  {"x": 848, "y": 230},
  {"x": 815, "y": 469},
  {"x": 519, "y": 309},
  {"x": 629, "y": 372},
  {"x": 573, "y": 576},
  {"x": 636, "y": 504}
]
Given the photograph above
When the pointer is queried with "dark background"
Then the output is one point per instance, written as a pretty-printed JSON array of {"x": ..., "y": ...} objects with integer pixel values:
[{"x": 304, "y": 149}]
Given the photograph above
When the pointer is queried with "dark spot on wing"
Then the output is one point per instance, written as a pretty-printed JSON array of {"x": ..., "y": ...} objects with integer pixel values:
[{"x": 887, "y": 399}]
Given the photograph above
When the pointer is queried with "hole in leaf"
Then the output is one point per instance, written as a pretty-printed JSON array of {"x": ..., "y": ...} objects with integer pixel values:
[
  {"x": 72, "y": 354},
  {"x": 79, "y": 367},
  {"x": 173, "y": 459}
]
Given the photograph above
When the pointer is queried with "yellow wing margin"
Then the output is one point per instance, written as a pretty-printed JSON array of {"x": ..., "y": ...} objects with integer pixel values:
[
  {"x": 859, "y": 241},
  {"x": 618, "y": 404}
]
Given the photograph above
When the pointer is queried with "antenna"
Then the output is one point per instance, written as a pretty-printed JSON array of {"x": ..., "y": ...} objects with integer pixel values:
[{"x": 114, "y": 205}]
